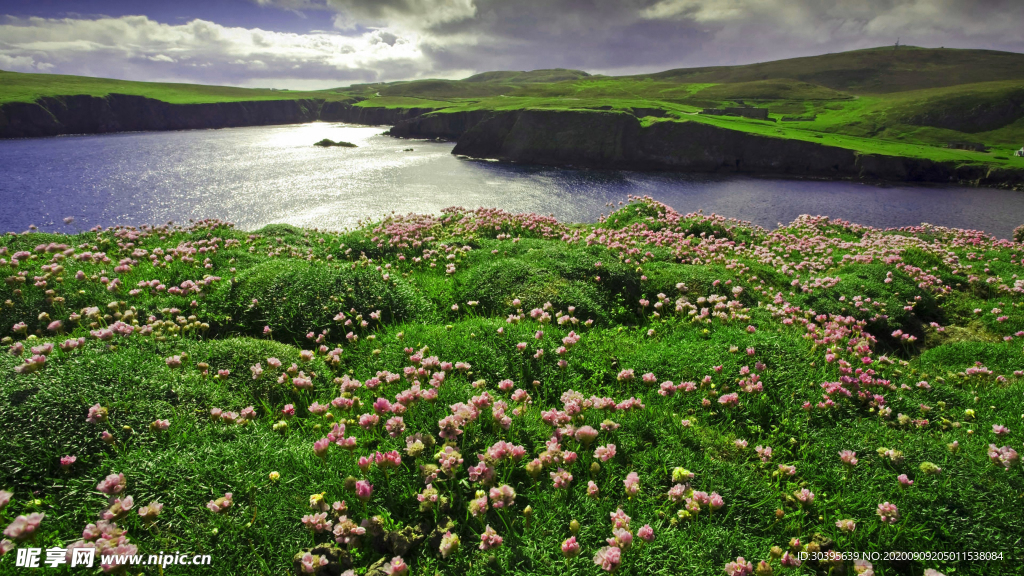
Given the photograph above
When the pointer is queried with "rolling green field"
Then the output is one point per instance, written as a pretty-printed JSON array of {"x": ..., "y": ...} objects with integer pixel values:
[
  {"x": 19, "y": 87},
  {"x": 479, "y": 392}
]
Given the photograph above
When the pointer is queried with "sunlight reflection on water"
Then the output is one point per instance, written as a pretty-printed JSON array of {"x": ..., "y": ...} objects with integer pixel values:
[{"x": 260, "y": 175}]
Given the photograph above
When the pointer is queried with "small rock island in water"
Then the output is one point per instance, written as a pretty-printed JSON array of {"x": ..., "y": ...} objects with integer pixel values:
[{"x": 327, "y": 142}]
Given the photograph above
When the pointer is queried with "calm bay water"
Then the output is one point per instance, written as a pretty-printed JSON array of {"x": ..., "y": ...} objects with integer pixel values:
[{"x": 261, "y": 175}]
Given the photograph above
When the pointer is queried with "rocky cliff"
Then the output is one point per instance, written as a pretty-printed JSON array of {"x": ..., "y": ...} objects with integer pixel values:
[
  {"x": 123, "y": 113},
  {"x": 618, "y": 140},
  {"x": 584, "y": 138}
]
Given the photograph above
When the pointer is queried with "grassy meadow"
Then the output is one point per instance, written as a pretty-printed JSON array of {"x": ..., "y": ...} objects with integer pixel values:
[
  {"x": 479, "y": 392},
  {"x": 20, "y": 87}
]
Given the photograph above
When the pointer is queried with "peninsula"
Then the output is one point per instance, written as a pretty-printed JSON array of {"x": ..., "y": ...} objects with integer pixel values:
[{"x": 899, "y": 114}]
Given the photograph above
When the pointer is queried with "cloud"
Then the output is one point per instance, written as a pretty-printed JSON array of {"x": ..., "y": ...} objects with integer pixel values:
[
  {"x": 623, "y": 36},
  {"x": 135, "y": 47},
  {"x": 377, "y": 40},
  {"x": 783, "y": 28}
]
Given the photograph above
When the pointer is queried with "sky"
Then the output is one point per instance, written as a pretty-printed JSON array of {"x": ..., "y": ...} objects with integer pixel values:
[{"x": 315, "y": 44}]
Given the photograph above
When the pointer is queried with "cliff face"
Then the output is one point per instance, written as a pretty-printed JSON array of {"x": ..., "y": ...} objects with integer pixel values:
[
  {"x": 443, "y": 125},
  {"x": 617, "y": 140},
  {"x": 371, "y": 116},
  {"x": 595, "y": 138},
  {"x": 122, "y": 113}
]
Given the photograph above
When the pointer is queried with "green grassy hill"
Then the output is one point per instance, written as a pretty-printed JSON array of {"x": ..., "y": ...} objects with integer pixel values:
[
  {"x": 739, "y": 392},
  {"x": 872, "y": 71},
  {"x": 20, "y": 87},
  {"x": 906, "y": 101}
]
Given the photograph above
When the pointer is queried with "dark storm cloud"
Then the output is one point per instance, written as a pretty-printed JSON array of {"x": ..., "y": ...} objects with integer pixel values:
[{"x": 365, "y": 40}]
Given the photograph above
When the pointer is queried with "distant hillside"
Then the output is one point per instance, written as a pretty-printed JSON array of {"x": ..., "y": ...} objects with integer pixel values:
[
  {"x": 513, "y": 77},
  {"x": 22, "y": 87},
  {"x": 483, "y": 85},
  {"x": 872, "y": 71}
]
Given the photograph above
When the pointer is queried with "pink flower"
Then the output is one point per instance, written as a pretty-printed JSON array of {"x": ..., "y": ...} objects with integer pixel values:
[
  {"x": 118, "y": 508},
  {"x": 621, "y": 539},
  {"x": 888, "y": 513},
  {"x": 1004, "y": 456},
  {"x": 24, "y": 527},
  {"x": 849, "y": 457},
  {"x": 368, "y": 421},
  {"x": 1000, "y": 430},
  {"x": 150, "y": 511},
  {"x": 646, "y": 533},
  {"x": 387, "y": 460},
  {"x": 489, "y": 539},
  {"x": 740, "y": 443},
  {"x": 395, "y": 426},
  {"x": 764, "y": 452},
  {"x": 632, "y": 483},
  {"x": 67, "y": 461},
  {"x": 320, "y": 447},
  {"x": 396, "y": 567},
  {"x": 715, "y": 501},
  {"x": 790, "y": 561},
  {"x": 605, "y": 453},
  {"x": 570, "y": 547},
  {"x": 739, "y": 567},
  {"x": 365, "y": 463},
  {"x": 732, "y": 399},
  {"x": 173, "y": 362},
  {"x": 619, "y": 519},
  {"x": 592, "y": 489},
  {"x": 112, "y": 484},
  {"x": 364, "y": 490},
  {"x": 449, "y": 544},
  {"x": 288, "y": 411},
  {"x": 847, "y": 525},
  {"x": 561, "y": 478},
  {"x": 382, "y": 406},
  {"x": 97, "y": 414},
  {"x": 677, "y": 492},
  {"x": 625, "y": 375},
  {"x": 804, "y": 496},
  {"x": 585, "y": 435},
  {"x": 905, "y": 481},
  {"x": 220, "y": 504},
  {"x": 310, "y": 563},
  {"x": 502, "y": 497},
  {"x": 608, "y": 558}
]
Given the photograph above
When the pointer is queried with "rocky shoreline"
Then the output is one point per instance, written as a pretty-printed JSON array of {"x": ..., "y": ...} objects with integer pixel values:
[
  {"x": 123, "y": 113},
  {"x": 577, "y": 138},
  {"x": 618, "y": 140}
]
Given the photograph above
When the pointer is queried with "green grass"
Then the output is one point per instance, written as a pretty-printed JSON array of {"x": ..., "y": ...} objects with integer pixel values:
[
  {"x": 446, "y": 286},
  {"x": 20, "y": 87}
]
